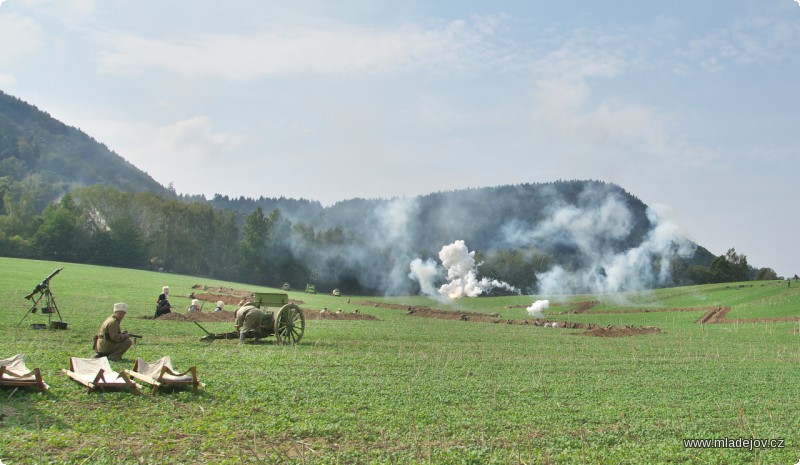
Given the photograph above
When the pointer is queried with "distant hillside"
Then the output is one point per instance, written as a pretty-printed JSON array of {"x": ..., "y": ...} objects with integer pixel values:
[{"x": 46, "y": 154}]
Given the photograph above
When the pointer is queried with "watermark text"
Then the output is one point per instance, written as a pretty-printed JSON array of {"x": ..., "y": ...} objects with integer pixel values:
[{"x": 734, "y": 443}]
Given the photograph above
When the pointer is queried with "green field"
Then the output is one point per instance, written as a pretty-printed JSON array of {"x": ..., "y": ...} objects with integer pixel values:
[{"x": 404, "y": 389}]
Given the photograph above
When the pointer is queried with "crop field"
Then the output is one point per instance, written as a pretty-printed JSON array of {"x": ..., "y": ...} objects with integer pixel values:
[{"x": 478, "y": 385}]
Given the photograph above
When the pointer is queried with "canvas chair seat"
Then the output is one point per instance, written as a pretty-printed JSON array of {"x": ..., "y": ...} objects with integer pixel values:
[
  {"x": 96, "y": 373},
  {"x": 13, "y": 372},
  {"x": 161, "y": 373}
]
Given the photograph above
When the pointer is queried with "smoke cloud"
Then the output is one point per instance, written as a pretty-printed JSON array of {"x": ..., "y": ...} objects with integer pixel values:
[
  {"x": 460, "y": 270},
  {"x": 537, "y": 309},
  {"x": 426, "y": 273},
  {"x": 593, "y": 237},
  {"x": 642, "y": 267}
]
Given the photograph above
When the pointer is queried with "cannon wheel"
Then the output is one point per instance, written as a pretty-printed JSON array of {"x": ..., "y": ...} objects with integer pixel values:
[{"x": 290, "y": 323}]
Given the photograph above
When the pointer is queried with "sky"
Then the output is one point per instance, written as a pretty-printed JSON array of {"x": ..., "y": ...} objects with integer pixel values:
[{"x": 690, "y": 106}]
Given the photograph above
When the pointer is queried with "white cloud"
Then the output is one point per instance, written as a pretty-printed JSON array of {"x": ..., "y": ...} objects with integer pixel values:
[
  {"x": 755, "y": 41},
  {"x": 7, "y": 80},
  {"x": 20, "y": 36},
  {"x": 600, "y": 132},
  {"x": 334, "y": 49},
  {"x": 69, "y": 11},
  {"x": 195, "y": 139},
  {"x": 192, "y": 153}
]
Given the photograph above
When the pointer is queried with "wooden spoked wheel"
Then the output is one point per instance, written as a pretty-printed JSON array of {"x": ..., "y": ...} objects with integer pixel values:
[{"x": 290, "y": 323}]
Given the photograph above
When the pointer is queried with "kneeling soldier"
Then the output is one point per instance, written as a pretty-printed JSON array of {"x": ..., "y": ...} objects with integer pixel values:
[{"x": 111, "y": 341}]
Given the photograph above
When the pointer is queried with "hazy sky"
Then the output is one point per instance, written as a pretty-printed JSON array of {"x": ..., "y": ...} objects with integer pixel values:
[{"x": 692, "y": 106}]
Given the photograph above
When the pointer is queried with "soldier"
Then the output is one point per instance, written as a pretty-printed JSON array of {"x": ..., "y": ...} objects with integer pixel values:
[
  {"x": 110, "y": 340},
  {"x": 162, "y": 304},
  {"x": 248, "y": 320}
]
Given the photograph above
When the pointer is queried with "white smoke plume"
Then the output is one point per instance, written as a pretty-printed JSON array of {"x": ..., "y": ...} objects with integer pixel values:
[
  {"x": 642, "y": 267},
  {"x": 427, "y": 273},
  {"x": 537, "y": 309},
  {"x": 585, "y": 227},
  {"x": 461, "y": 274},
  {"x": 592, "y": 229}
]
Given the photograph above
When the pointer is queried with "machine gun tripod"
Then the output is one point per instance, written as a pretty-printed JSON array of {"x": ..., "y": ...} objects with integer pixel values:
[{"x": 42, "y": 291}]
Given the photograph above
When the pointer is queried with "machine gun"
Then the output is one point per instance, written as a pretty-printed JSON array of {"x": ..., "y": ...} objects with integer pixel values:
[
  {"x": 49, "y": 307},
  {"x": 44, "y": 285}
]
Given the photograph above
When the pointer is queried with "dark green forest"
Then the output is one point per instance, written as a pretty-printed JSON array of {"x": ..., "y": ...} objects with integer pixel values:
[{"x": 66, "y": 197}]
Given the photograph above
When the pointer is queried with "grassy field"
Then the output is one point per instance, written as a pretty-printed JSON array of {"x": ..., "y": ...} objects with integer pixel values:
[{"x": 404, "y": 389}]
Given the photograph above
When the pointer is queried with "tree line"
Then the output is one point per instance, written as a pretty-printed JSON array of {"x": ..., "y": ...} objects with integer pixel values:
[{"x": 104, "y": 226}]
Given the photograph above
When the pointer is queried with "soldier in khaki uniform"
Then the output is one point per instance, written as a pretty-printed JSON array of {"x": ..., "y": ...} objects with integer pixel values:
[
  {"x": 111, "y": 340},
  {"x": 248, "y": 319}
]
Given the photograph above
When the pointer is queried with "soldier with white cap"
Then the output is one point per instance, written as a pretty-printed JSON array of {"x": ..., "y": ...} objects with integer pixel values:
[
  {"x": 162, "y": 304},
  {"x": 111, "y": 341}
]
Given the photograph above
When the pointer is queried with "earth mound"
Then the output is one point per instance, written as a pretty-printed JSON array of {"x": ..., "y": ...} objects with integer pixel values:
[
  {"x": 620, "y": 331},
  {"x": 476, "y": 317}
]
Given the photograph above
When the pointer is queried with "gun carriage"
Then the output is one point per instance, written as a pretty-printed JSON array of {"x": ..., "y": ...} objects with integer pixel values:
[{"x": 282, "y": 319}]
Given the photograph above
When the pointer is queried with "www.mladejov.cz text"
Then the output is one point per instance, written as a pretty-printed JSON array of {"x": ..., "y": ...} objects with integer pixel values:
[{"x": 734, "y": 443}]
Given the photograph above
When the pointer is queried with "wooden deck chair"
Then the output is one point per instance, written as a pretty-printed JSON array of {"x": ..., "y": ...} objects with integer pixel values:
[
  {"x": 96, "y": 374},
  {"x": 161, "y": 373},
  {"x": 13, "y": 372}
]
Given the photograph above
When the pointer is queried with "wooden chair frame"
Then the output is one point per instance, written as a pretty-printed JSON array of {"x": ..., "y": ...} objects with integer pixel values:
[
  {"x": 101, "y": 381},
  {"x": 13, "y": 372},
  {"x": 163, "y": 379}
]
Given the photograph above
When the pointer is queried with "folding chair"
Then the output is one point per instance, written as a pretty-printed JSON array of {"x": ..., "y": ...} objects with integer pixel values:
[
  {"x": 96, "y": 374},
  {"x": 161, "y": 373},
  {"x": 13, "y": 372}
]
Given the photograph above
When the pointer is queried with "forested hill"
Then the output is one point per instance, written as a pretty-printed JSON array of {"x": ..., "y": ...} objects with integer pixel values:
[{"x": 53, "y": 158}]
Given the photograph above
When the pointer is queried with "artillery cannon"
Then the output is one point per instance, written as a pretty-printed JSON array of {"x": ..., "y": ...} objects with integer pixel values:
[{"x": 282, "y": 319}]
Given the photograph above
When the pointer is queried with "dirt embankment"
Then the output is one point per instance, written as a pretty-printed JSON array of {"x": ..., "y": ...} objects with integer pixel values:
[
  {"x": 477, "y": 317},
  {"x": 226, "y": 294},
  {"x": 620, "y": 331},
  {"x": 713, "y": 314},
  {"x": 584, "y": 307},
  {"x": 720, "y": 315}
]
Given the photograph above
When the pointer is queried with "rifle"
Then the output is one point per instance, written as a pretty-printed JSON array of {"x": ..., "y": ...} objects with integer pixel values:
[{"x": 134, "y": 336}]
